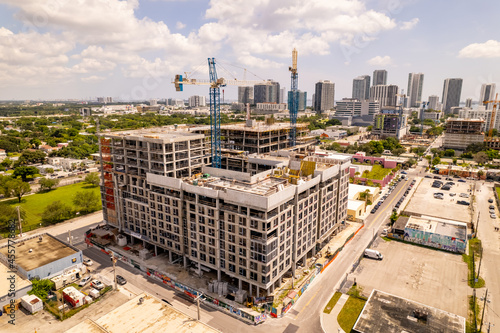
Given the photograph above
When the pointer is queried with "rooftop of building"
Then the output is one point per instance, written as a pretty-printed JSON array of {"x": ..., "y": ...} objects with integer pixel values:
[
  {"x": 166, "y": 134},
  {"x": 149, "y": 316},
  {"x": 384, "y": 312},
  {"x": 354, "y": 204},
  {"x": 354, "y": 189},
  {"x": 5, "y": 273},
  {"x": 260, "y": 126},
  {"x": 438, "y": 226},
  {"x": 465, "y": 119},
  {"x": 32, "y": 253}
]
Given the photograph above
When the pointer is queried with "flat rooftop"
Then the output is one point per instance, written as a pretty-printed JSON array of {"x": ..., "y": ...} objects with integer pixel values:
[
  {"x": 159, "y": 133},
  {"x": 151, "y": 316},
  {"x": 262, "y": 187},
  {"x": 441, "y": 227},
  {"x": 4, "y": 274},
  {"x": 48, "y": 250},
  {"x": 387, "y": 313},
  {"x": 259, "y": 127}
]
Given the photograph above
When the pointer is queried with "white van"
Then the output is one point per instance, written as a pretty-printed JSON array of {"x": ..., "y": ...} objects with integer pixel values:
[{"x": 374, "y": 254}]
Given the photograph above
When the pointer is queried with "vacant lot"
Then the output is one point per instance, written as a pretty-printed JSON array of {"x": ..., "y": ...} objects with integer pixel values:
[
  {"x": 431, "y": 277},
  {"x": 423, "y": 202},
  {"x": 35, "y": 204}
]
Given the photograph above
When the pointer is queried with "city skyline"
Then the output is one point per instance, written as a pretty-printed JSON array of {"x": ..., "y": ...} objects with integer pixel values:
[{"x": 69, "y": 50}]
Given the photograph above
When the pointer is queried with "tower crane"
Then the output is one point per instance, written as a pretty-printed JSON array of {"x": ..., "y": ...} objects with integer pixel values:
[
  {"x": 493, "y": 113},
  {"x": 293, "y": 99},
  {"x": 215, "y": 84}
]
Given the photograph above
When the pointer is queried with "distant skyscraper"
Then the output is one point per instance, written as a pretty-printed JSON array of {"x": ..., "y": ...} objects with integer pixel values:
[
  {"x": 433, "y": 102},
  {"x": 487, "y": 94},
  {"x": 267, "y": 93},
  {"x": 324, "y": 95},
  {"x": 302, "y": 100},
  {"x": 452, "y": 90},
  {"x": 282, "y": 95},
  {"x": 361, "y": 87},
  {"x": 245, "y": 95},
  {"x": 379, "y": 77},
  {"x": 414, "y": 93},
  {"x": 468, "y": 103},
  {"x": 196, "y": 101},
  {"x": 384, "y": 94}
]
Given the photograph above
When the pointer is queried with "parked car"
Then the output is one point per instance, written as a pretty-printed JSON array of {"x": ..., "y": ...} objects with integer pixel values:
[
  {"x": 464, "y": 195},
  {"x": 452, "y": 194},
  {"x": 427, "y": 176},
  {"x": 450, "y": 183},
  {"x": 463, "y": 202},
  {"x": 404, "y": 172},
  {"x": 448, "y": 178},
  {"x": 493, "y": 216},
  {"x": 492, "y": 207},
  {"x": 84, "y": 281},
  {"x": 120, "y": 280},
  {"x": 97, "y": 284},
  {"x": 490, "y": 200},
  {"x": 462, "y": 181},
  {"x": 446, "y": 188},
  {"x": 374, "y": 254},
  {"x": 373, "y": 211},
  {"x": 437, "y": 177},
  {"x": 88, "y": 262}
]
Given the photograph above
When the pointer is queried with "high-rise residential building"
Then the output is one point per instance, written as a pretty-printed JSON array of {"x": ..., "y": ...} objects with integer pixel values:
[
  {"x": 251, "y": 225},
  {"x": 487, "y": 94},
  {"x": 386, "y": 95},
  {"x": 267, "y": 93},
  {"x": 350, "y": 107},
  {"x": 282, "y": 95},
  {"x": 379, "y": 77},
  {"x": 452, "y": 89},
  {"x": 468, "y": 103},
  {"x": 153, "y": 102},
  {"x": 414, "y": 93},
  {"x": 245, "y": 95},
  {"x": 302, "y": 100},
  {"x": 197, "y": 101},
  {"x": 324, "y": 96},
  {"x": 433, "y": 102},
  {"x": 389, "y": 122},
  {"x": 361, "y": 87}
]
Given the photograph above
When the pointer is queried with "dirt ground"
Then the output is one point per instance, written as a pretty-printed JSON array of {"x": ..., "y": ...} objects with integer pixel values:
[{"x": 431, "y": 277}]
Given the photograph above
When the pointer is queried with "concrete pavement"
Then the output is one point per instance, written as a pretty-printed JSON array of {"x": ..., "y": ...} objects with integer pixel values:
[{"x": 329, "y": 321}]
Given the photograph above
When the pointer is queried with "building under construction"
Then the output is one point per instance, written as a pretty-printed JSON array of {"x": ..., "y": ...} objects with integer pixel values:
[
  {"x": 251, "y": 223},
  {"x": 462, "y": 132},
  {"x": 258, "y": 137}
]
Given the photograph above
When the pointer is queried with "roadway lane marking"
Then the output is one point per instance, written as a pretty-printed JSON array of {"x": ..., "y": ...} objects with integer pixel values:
[
  {"x": 390, "y": 202},
  {"x": 305, "y": 306}
]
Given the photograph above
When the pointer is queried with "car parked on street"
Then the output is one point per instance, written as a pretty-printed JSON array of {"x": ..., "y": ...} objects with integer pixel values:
[
  {"x": 490, "y": 200},
  {"x": 88, "y": 262},
  {"x": 84, "y": 281},
  {"x": 120, "y": 280},
  {"x": 493, "y": 216},
  {"x": 462, "y": 181},
  {"x": 97, "y": 284}
]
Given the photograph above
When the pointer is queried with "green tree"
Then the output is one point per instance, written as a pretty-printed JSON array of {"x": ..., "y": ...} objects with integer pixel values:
[
  {"x": 394, "y": 217},
  {"x": 41, "y": 288},
  {"x": 86, "y": 201},
  {"x": 18, "y": 188},
  {"x": 414, "y": 129},
  {"x": 449, "y": 152},
  {"x": 492, "y": 154},
  {"x": 436, "y": 160},
  {"x": 377, "y": 146},
  {"x": 48, "y": 184},
  {"x": 398, "y": 151},
  {"x": 49, "y": 171},
  {"x": 30, "y": 157},
  {"x": 35, "y": 142},
  {"x": 369, "y": 128},
  {"x": 24, "y": 172},
  {"x": 6, "y": 163},
  {"x": 56, "y": 212},
  {"x": 93, "y": 178},
  {"x": 7, "y": 214}
]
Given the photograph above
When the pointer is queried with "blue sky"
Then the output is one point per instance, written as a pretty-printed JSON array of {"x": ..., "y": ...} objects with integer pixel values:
[{"x": 132, "y": 49}]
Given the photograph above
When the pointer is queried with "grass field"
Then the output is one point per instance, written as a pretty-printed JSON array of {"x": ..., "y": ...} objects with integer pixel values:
[
  {"x": 35, "y": 204},
  {"x": 350, "y": 312}
]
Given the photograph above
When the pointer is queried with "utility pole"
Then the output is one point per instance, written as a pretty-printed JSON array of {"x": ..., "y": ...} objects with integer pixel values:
[
  {"x": 19, "y": 220},
  {"x": 475, "y": 312},
  {"x": 477, "y": 225},
  {"x": 198, "y": 305},
  {"x": 113, "y": 259},
  {"x": 473, "y": 267},
  {"x": 480, "y": 260},
  {"x": 484, "y": 307}
]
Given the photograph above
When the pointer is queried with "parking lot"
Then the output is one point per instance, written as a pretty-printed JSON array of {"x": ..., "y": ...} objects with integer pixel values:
[
  {"x": 431, "y": 277},
  {"x": 423, "y": 202}
]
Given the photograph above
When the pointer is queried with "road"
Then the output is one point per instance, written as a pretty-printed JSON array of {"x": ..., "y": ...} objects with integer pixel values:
[{"x": 305, "y": 315}]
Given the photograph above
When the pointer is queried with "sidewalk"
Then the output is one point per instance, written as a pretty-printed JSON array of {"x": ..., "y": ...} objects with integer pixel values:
[{"x": 329, "y": 321}]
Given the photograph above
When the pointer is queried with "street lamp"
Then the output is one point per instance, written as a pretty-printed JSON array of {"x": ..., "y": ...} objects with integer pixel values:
[
  {"x": 113, "y": 259},
  {"x": 197, "y": 299}
]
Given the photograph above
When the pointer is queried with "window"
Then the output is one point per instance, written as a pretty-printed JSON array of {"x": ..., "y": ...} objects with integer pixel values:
[
  {"x": 231, "y": 268},
  {"x": 243, "y": 272}
]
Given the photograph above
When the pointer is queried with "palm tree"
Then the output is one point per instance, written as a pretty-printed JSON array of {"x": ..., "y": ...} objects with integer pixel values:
[{"x": 364, "y": 195}]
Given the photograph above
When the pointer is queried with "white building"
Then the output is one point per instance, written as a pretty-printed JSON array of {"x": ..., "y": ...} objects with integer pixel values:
[
  {"x": 433, "y": 102},
  {"x": 352, "y": 107},
  {"x": 269, "y": 108},
  {"x": 384, "y": 94},
  {"x": 197, "y": 101}
]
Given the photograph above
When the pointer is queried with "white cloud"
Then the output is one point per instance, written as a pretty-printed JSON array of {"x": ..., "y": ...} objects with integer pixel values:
[
  {"x": 93, "y": 78},
  {"x": 179, "y": 25},
  {"x": 489, "y": 49},
  {"x": 408, "y": 25},
  {"x": 379, "y": 61}
]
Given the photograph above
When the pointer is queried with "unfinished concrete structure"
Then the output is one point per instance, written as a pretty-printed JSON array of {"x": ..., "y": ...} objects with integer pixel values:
[
  {"x": 462, "y": 132},
  {"x": 252, "y": 223},
  {"x": 257, "y": 137}
]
